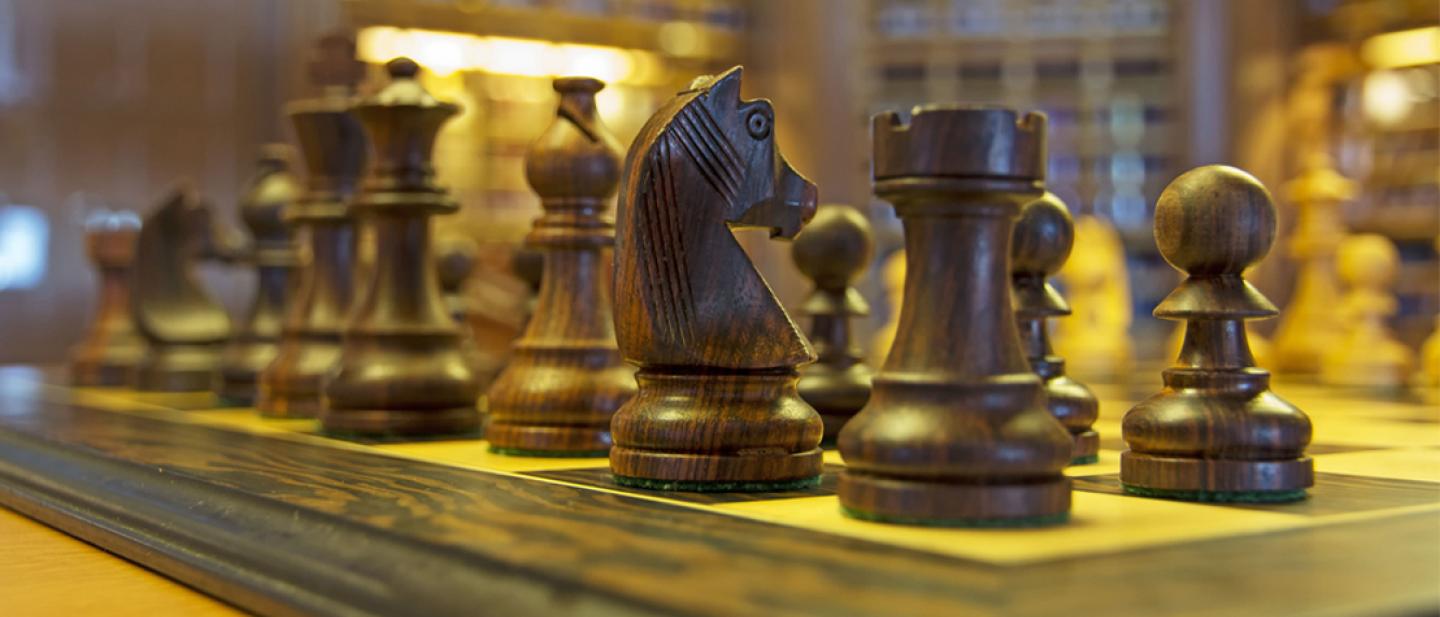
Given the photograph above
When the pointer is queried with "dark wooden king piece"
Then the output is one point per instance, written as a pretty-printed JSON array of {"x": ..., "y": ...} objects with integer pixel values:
[
  {"x": 1216, "y": 432},
  {"x": 184, "y": 327},
  {"x": 111, "y": 347},
  {"x": 1043, "y": 237},
  {"x": 717, "y": 407},
  {"x": 956, "y": 431},
  {"x": 832, "y": 251},
  {"x": 332, "y": 143},
  {"x": 565, "y": 378},
  {"x": 272, "y": 253},
  {"x": 403, "y": 368}
]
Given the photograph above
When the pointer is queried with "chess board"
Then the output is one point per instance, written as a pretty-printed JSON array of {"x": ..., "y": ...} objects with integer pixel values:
[{"x": 277, "y": 518}]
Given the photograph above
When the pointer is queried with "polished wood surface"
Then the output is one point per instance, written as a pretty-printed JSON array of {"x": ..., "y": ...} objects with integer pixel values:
[
  {"x": 956, "y": 431},
  {"x": 1216, "y": 432},
  {"x": 111, "y": 347},
  {"x": 565, "y": 377},
  {"x": 1043, "y": 237},
  {"x": 717, "y": 405}
]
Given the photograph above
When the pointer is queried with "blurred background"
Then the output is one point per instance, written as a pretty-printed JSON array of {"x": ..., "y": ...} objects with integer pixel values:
[{"x": 1333, "y": 104}]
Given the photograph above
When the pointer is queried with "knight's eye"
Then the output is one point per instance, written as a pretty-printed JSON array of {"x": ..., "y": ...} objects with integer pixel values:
[{"x": 758, "y": 124}]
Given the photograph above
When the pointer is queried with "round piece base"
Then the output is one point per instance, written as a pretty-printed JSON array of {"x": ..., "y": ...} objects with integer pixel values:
[
  {"x": 100, "y": 374},
  {"x": 1086, "y": 449},
  {"x": 1215, "y": 476},
  {"x": 148, "y": 379},
  {"x": 548, "y": 441},
  {"x": 549, "y": 453},
  {"x": 1033, "y": 521},
  {"x": 233, "y": 393},
  {"x": 717, "y": 487},
  {"x": 927, "y": 501},
  {"x": 394, "y": 423},
  {"x": 705, "y": 469},
  {"x": 302, "y": 408},
  {"x": 1219, "y": 496}
]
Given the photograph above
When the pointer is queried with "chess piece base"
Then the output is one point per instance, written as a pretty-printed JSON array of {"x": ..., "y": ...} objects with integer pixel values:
[
  {"x": 557, "y": 403},
  {"x": 1212, "y": 479},
  {"x": 100, "y": 372},
  {"x": 293, "y": 385},
  {"x": 837, "y": 395},
  {"x": 1086, "y": 449},
  {"x": 548, "y": 441},
  {"x": 945, "y": 503},
  {"x": 400, "y": 423},
  {"x": 177, "y": 368}
]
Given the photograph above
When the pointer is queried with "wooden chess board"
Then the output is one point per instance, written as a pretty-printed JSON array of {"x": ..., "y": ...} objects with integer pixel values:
[{"x": 275, "y": 518}]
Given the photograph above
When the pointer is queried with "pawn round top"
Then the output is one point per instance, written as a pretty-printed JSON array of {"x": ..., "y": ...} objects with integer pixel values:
[
  {"x": 1043, "y": 237},
  {"x": 834, "y": 247},
  {"x": 1367, "y": 260},
  {"x": 1214, "y": 220},
  {"x": 272, "y": 191},
  {"x": 455, "y": 259}
]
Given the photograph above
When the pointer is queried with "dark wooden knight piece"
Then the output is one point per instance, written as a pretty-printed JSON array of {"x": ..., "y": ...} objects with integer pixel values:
[
  {"x": 717, "y": 407},
  {"x": 956, "y": 431},
  {"x": 403, "y": 368},
  {"x": 1216, "y": 432},
  {"x": 111, "y": 347},
  {"x": 272, "y": 253},
  {"x": 565, "y": 377},
  {"x": 832, "y": 252},
  {"x": 1043, "y": 237}
]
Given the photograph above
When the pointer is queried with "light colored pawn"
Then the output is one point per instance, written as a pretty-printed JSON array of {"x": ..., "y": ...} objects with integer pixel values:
[{"x": 1367, "y": 354}]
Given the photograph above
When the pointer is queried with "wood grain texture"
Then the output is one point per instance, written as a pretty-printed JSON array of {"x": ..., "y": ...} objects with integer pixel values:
[
  {"x": 111, "y": 347},
  {"x": 717, "y": 400},
  {"x": 956, "y": 431},
  {"x": 565, "y": 377},
  {"x": 1216, "y": 429}
]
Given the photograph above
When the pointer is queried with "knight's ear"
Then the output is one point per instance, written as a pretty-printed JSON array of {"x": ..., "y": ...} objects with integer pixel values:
[{"x": 724, "y": 90}]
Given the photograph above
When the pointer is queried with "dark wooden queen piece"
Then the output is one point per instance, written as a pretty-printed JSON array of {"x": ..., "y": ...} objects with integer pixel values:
[
  {"x": 403, "y": 368},
  {"x": 832, "y": 252},
  {"x": 565, "y": 378},
  {"x": 956, "y": 431},
  {"x": 272, "y": 253},
  {"x": 332, "y": 143},
  {"x": 1216, "y": 432},
  {"x": 717, "y": 407},
  {"x": 1043, "y": 237},
  {"x": 111, "y": 347}
]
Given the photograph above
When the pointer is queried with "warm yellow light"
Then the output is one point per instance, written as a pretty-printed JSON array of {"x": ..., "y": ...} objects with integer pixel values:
[
  {"x": 1386, "y": 97},
  {"x": 681, "y": 38},
  {"x": 447, "y": 52},
  {"x": 1403, "y": 48},
  {"x": 507, "y": 56},
  {"x": 607, "y": 64}
]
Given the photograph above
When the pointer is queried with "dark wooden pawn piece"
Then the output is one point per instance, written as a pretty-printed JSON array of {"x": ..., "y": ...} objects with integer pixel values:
[
  {"x": 956, "y": 431},
  {"x": 455, "y": 260},
  {"x": 1042, "y": 240},
  {"x": 565, "y": 377},
  {"x": 403, "y": 368},
  {"x": 111, "y": 347},
  {"x": 272, "y": 253},
  {"x": 332, "y": 143},
  {"x": 717, "y": 407},
  {"x": 1216, "y": 432},
  {"x": 184, "y": 327},
  {"x": 832, "y": 252}
]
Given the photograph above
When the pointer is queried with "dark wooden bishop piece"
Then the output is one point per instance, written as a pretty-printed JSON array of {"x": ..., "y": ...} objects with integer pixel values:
[
  {"x": 1216, "y": 432},
  {"x": 832, "y": 252},
  {"x": 717, "y": 407},
  {"x": 1042, "y": 240},
  {"x": 403, "y": 368},
  {"x": 111, "y": 347},
  {"x": 272, "y": 253},
  {"x": 184, "y": 327},
  {"x": 565, "y": 378},
  {"x": 956, "y": 431},
  {"x": 332, "y": 143}
]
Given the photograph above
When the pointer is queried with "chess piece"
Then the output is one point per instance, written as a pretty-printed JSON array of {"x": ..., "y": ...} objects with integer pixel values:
[
  {"x": 183, "y": 326},
  {"x": 1095, "y": 339},
  {"x": 956, "y": 431},
  {"x": 252, "y": 346},
  {"x": 1215, "y": 432},
  {"x": 892, "y": 278},
  {"x": 1042, "y": 240},
  {"x": 1260, "y": 347},
  {"x": 112, "y": 347},
  {"x": 717, "y": 406},
  {"x": 528, "y": 264},
  {"x": 332, "y": 143},
  {"x": 403, "y": 368},
  {"x": 1366, "y": 355},
  {"x": 454, "y": 262},
  {"x": 565, "y": 377},
  {"x": 832, "y": 252},
  {"x": 1430, "y": 358}
]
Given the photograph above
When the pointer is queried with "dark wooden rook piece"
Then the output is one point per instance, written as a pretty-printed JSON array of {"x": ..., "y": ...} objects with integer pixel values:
[
  {"x": 1042, "y": 240},
  {"x": 403, "y": 368},
  {"x": 332, "y": 143},
  {"x": 832, "y": 252},
  {"x": 111, "y": 347},
  {"x": 272, "y": 253},
  {"x": 1216, "y": 432},
  {"x": 717, "y": 407},
  {"x": 565, "y": 377},
  {"x": 184, "y": 327},
  {"x": 956, "y": 431}
]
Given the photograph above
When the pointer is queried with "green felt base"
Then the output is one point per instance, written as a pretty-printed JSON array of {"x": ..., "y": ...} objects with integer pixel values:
[
  {"x": 1219, "y": 496},
  {"x": 1021, "y": 522},
  {"x": 549, "y": 453},
  {"x": 717, "y": 487},
  {"x": 1089, "y": 459}
]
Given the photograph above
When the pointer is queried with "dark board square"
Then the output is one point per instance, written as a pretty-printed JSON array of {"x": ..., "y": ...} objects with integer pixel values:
[
  {"x": 600, "y": 477},
  {"x": 1333, "y": 493}
]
